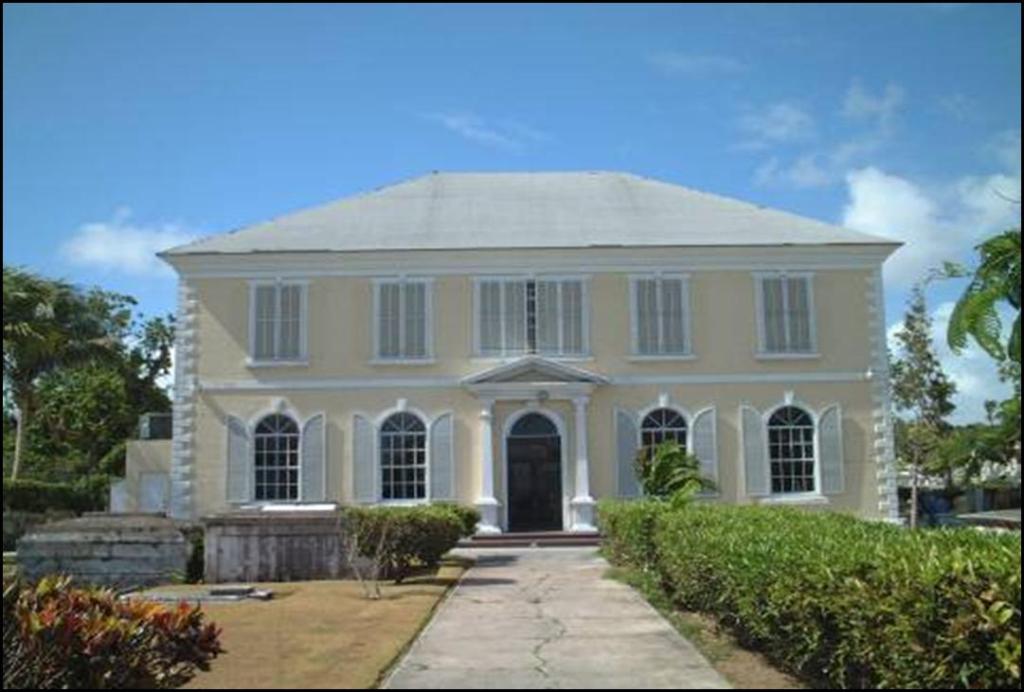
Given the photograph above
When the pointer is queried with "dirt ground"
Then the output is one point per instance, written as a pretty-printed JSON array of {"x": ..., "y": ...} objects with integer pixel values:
[{"x": 321, "y": 634}]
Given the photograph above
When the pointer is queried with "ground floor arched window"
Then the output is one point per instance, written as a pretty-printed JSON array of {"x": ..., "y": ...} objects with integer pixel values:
[{"x": 403, "y": 458}]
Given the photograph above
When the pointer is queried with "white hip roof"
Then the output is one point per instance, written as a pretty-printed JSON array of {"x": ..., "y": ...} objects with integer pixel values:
[{"x": 459, "y": 211}]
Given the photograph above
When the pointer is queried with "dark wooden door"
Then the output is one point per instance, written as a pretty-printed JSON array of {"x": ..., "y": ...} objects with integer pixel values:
[{"x": 534, "y": 483}]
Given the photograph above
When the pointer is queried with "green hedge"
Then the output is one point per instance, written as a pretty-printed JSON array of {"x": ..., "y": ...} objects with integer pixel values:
[
  {"x": 88, "y": 494},
  {"x": 840, "y": 601}
]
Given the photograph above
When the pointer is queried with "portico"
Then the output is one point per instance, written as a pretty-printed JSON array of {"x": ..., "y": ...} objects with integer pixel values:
[{"x": 532, "y": 384}]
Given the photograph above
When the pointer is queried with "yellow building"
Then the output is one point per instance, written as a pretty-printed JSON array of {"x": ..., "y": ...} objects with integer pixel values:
[{"x": 509, "y": 341}]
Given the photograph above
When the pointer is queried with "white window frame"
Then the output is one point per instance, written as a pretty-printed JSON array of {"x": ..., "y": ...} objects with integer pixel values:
[
  {"x": 583, "y": 354},
  {"x": 812, "y": 320},
  {"x": 681, "y": 412},
  {"x": 814, "y": 497},
  {"x": 303, "y": 357},
  {"x": 634, "y": 318},
  {"x": 428, "y": 288},
  {"x": 378, "y": 481},
  {"x": 253, "y": 428}
]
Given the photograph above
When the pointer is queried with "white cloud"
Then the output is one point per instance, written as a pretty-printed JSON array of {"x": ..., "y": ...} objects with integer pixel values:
[
  {"x": 827, "y": 164},
  {"x": 778, "y": 123},
  {"x": 508, "y": 135},
  {"x": 695, "y": 65},
  {"x": 122, "y": 246},
  {"x": 973, "y": 370},
  {"x": 805, "y": 172},
  {"x": 937, "y": 224},
  {"x": 861, "y": 104}
]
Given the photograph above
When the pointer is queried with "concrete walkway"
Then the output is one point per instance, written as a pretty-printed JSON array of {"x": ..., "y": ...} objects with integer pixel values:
[{"x": 547, "y": 618}]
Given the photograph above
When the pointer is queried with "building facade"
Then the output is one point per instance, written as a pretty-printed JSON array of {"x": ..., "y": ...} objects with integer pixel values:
[{"x": 510, "y": 340}]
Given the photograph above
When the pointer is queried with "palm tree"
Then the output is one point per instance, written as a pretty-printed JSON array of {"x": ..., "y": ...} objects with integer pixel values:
[
  {"x": 47, "y": 325},
  {"x": 667, "y": 471},
  {"x": 996, "y": 279}
]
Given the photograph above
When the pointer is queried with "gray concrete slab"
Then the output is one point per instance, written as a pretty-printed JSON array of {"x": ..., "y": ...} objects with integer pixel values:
[{"x": 529, "y": 618}]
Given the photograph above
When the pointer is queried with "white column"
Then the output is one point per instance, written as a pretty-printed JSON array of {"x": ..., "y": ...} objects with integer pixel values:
[
  {"x": 582, "y": 504},
  {"x": 486, "y": 503}
]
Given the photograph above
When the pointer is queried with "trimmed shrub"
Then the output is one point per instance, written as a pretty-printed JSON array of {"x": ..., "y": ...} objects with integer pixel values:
[
  {"x": 468, "y": 516},
  {"x": 844, "y": 602},
  {"x": 406, "y": 537},
  {"x": 59, "y": 636},
  {"x": 628, "y": 529}
]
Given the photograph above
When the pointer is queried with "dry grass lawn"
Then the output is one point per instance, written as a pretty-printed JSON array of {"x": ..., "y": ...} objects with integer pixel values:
[{"x": 321, "y": 634}]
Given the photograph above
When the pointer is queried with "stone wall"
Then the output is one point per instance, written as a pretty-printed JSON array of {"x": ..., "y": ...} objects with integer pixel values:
[
  {"x": 118, "y": 550},
  {"x": 274, "y": 546}
]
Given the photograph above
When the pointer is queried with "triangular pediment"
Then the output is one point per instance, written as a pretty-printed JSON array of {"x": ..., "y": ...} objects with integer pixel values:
[{"x": 535, "y": 369}]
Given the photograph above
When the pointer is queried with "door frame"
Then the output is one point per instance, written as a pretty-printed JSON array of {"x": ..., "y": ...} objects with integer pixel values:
[{"x": 563, "y": 445}]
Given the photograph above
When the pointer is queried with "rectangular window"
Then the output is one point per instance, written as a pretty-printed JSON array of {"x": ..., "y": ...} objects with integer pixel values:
[
  {"x": 278, "y": 315},
  {"x": 786, "y": 314},
  {"x": 403, "y": 319},
  {"x": 661, "y": 319},
  {"x": 522, "y": 316}
]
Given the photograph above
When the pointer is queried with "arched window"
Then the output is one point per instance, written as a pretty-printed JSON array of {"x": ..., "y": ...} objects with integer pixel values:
[
  {"x": 277, "y": 458},
  {"x": 660, "y": 425},
  {"x": 791, "y": 450},
  {"x": 403, "y": 458}
]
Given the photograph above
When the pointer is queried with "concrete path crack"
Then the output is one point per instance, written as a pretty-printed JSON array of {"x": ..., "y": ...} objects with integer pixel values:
[{"x": 547, "y": 618}]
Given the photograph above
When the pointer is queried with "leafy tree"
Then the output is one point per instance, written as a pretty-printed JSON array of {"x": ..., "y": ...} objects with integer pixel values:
[
  {"x": 47, "y": 325},
  {"x": 668, "y": 471},
  {"x": 921, "y": 390},
  {"x": 82, "y": 408},
  {"x": 995, "y": 280}
]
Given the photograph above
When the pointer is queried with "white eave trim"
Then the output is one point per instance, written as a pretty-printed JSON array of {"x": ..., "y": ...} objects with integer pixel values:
[{"x": 529, "y": 261}]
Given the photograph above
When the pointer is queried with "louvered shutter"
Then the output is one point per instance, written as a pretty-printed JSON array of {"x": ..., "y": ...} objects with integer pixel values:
[
  {"x": 389, "y": 301},
  {"x": 799, "y": 311},
  {"x": 364, "y": 467},
  {"x": 239, "y": 466},
  {"x": 514, "y": 318},
  {"x": 626, "y": 444},
  {"x": 264, "y": 313},
  {"x": 314, "y": 460},
  {"x": 773, "y": 314},
  {"x": 646, "y": 293},
  {"x": 673, "y": 336},
  {"x": 830, "y": 447},
  {"x": 547, "y": 317},
  {"x": 490, "y": 317},
  {"x": 415, "y": 317},
  {"x": 755, "y": 465},
  {"x": 442, "y": 461},
  {"x": 572, "y": 317},
  {"x": 289, "y": 345},
  {"x": 705, "y": 443}
]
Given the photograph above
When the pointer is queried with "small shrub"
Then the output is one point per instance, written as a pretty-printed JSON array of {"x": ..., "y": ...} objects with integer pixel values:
[
  {"x": 403, "y": 538},
  {"x": 468, "y": 516},
  {"x": 59, "y": 636},
  {"x": 840, "y": 601},
  {"x": 668, "y": 471}
]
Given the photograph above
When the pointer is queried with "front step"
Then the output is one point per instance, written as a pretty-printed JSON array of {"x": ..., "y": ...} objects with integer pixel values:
[{"x": 534, "y": 539}]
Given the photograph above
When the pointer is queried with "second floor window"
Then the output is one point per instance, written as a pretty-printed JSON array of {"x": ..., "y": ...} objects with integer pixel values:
[
  {"x": 544, "y": 316},
  {"x": 786, "y": 314},
  {"x": 661, "y": 316},
  {"x": 403, "y": 320},
  {"x": 278, "y": 322}
]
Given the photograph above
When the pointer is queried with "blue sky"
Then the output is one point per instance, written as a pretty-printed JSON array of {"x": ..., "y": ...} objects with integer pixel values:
[{"x": 127, "y": 128}]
